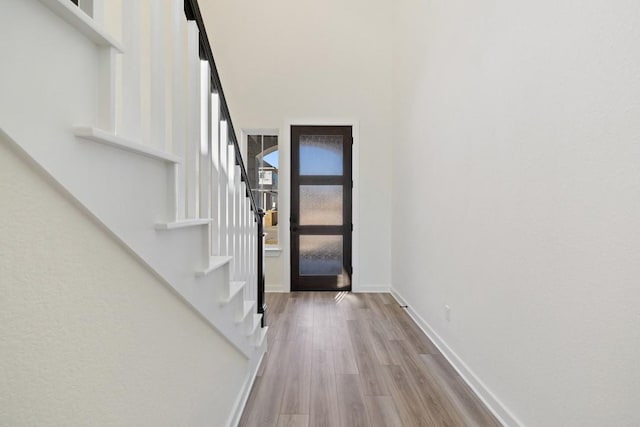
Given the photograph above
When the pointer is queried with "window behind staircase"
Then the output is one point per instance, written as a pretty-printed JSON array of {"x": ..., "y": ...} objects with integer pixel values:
[{"x": 262, "y": 169}]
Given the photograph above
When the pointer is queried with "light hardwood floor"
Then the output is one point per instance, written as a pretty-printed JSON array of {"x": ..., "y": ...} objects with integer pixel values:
[{"x": 347, "y": 360}]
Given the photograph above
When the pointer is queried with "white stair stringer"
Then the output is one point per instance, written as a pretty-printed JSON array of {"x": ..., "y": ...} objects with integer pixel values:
[{"x": 175, "y": 256}]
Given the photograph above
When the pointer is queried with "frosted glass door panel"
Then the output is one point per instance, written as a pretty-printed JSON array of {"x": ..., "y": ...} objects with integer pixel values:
[
  {"x": 321, "y": 155},
  {"x": 321, "y": 205},
  {"x": 320, "y": 255}
]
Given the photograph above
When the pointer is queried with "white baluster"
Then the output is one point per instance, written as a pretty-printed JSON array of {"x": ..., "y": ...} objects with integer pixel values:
[
  {"x": 237, "y": 219},
  {"x": 110, "y": 15},
  {"x": 231, "y": 210},
  {"x": 205, "y": 142},
  {"x": 128, "y": 121},
  {"x": 111, "y": 20},
  {"x": 215, "y": 173},
  {"x": 170, "y": 58},
  {"x": 179, "y": 114},
  {"x": 243, "y": 232},
  {"x": 193, "y": 120},
  {"x": 160, "y": 96},
  {"x": 144, "y": 66},
  {"x": 222, "y": 188},
  {"x": 106, "y": 99}
]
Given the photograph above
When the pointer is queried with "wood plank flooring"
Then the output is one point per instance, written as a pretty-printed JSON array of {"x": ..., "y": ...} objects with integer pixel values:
[{"x": 349, "y": 360}]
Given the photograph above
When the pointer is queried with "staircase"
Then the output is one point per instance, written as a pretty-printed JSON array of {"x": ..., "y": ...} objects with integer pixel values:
[{"x": 124, "y": 109}]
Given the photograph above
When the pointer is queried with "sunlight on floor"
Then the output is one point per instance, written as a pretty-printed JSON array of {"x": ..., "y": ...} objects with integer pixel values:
[{"x": 340, "y": 296}]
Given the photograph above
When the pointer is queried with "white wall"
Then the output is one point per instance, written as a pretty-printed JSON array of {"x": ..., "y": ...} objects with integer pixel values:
[
  {"x": 88, "y": 336},
  {"x": 517, "y": 131},
  {"x": 290, "y": 60}
]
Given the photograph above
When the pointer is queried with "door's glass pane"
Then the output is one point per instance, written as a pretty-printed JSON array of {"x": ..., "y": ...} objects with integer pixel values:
[
  {"x": 321, "y": 205},
  {"x": 321, "y": 155},
  {"x": 320, "y": 255}
]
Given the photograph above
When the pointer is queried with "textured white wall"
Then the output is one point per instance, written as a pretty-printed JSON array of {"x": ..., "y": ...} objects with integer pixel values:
[
  {"x": 287, "y": 60},
  {"x": 88, "y": 336},
  {"x": 517, "y": 133}
]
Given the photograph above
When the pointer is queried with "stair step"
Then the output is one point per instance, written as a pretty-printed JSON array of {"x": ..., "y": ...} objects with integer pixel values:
[
  {"x": 90, "y": 133},
  {"x": 215, "y": 262},
  {"x": 248, "y": 307},
  {"x": 255, "y": 324},
  {"x": 262, "y": 336},
  {"x": 234, "y": 289},
  {"x": 182, "y": 223},
  {"x": 82, "y": 22}
]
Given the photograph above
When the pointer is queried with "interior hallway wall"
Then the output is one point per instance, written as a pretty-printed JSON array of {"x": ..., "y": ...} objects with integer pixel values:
[{"x": 516, "y": 197}]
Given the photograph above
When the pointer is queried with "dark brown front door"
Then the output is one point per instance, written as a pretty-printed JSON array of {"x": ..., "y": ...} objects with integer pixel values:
[{"x": 321, "y": 223}]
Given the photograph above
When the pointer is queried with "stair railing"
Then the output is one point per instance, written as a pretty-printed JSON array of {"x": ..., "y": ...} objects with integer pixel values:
[{"x": 192, "y": 12}]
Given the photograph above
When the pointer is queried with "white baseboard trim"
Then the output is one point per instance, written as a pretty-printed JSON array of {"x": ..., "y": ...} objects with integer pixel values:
[
  {"x": 492, "y": 402},
  {"x": 377, "y": 289},
  {"x": 243, "y": 396},
  {"x": 278, "y": 289}
]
